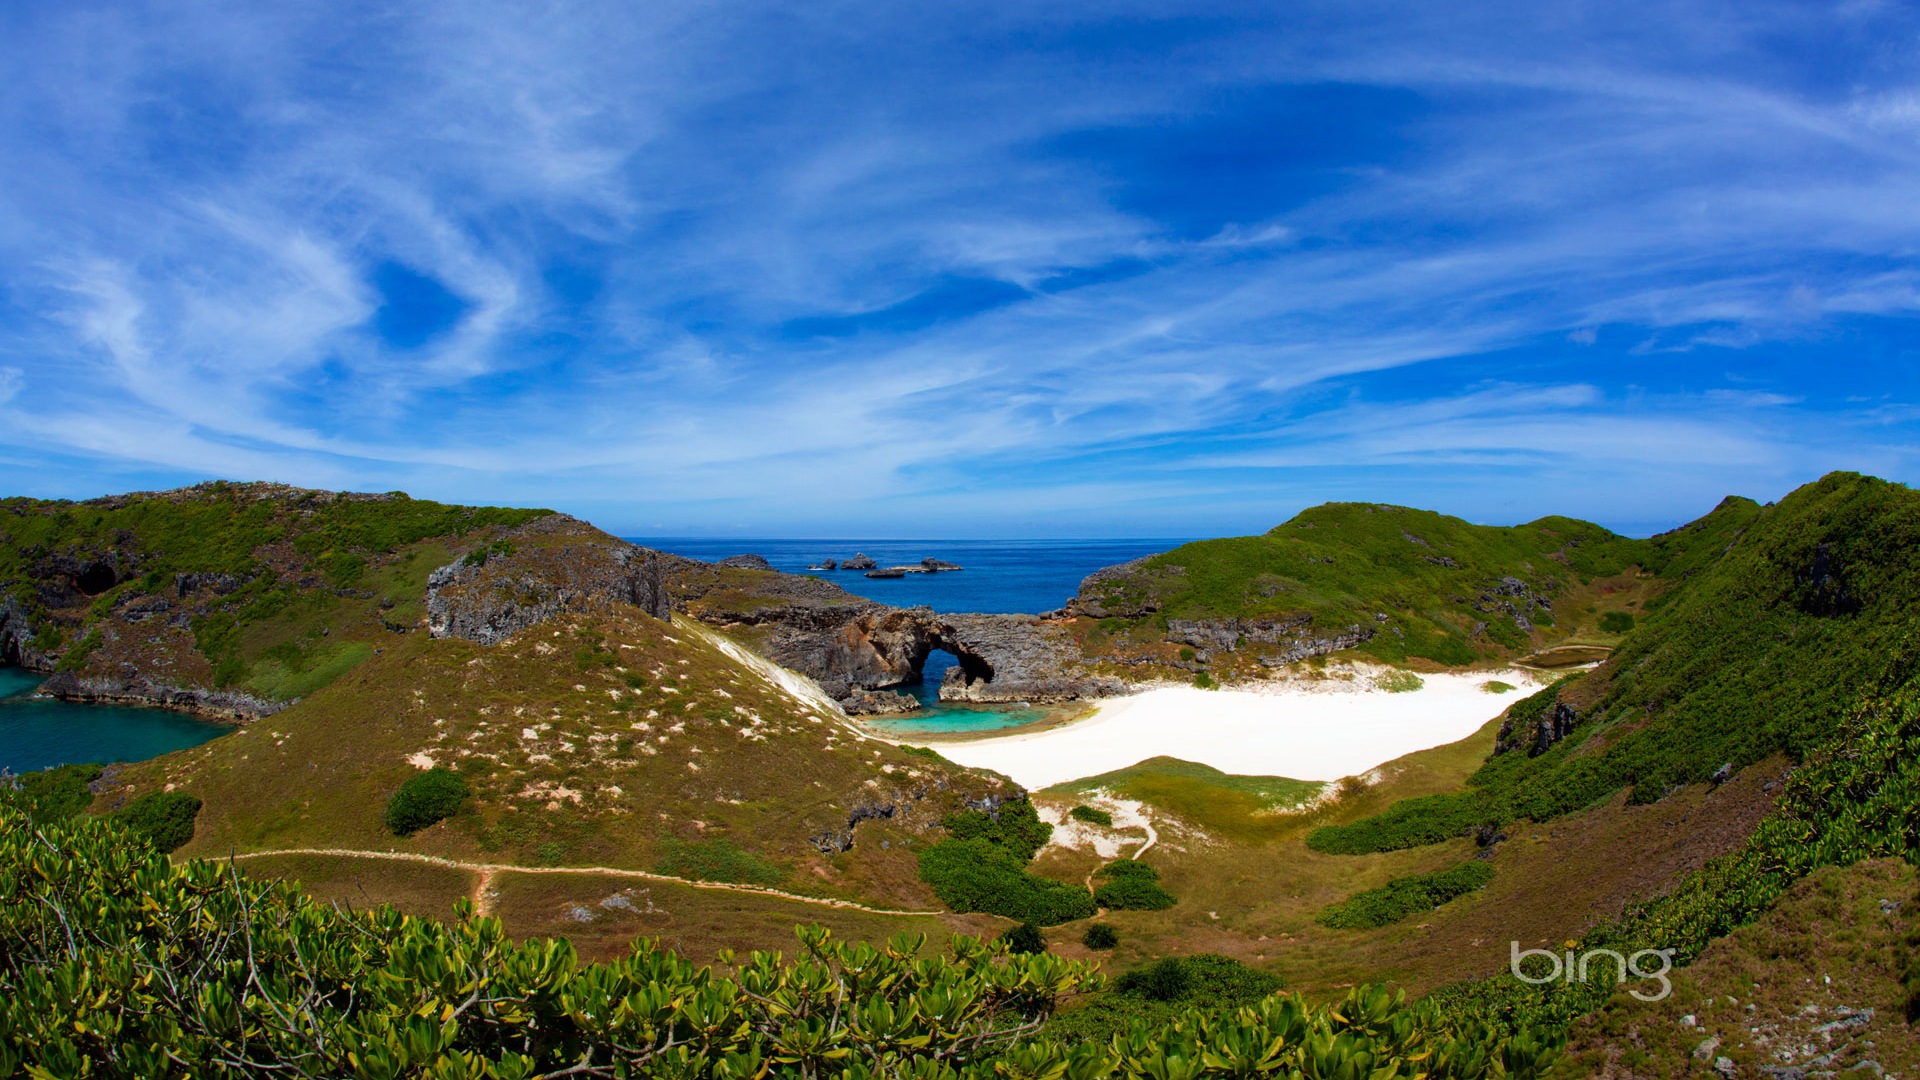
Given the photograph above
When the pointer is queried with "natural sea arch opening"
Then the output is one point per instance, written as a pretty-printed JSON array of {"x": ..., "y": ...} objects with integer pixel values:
[{"x": 933, "y": 671}]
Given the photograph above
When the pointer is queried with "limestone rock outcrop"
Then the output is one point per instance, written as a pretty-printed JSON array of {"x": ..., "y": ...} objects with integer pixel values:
[{"x": 555, "y": 564}]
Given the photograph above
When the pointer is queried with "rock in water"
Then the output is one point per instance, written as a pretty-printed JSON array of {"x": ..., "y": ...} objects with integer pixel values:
[
  {"x": 825, "y": 564},
  {"x": 889, "y": 572},
  {"x": 878, "y": 703},
  {"x": 858, "y": 562},
  {"x": 745, "y": 562},
  {"x": 934, "y": 566}
]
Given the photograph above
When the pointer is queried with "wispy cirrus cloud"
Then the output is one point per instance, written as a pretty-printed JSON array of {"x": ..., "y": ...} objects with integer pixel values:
[{"x": 694, "y": 266}]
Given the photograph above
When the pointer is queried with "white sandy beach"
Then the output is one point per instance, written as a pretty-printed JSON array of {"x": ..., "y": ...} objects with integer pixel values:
[{"x": 1305, "y": 730}]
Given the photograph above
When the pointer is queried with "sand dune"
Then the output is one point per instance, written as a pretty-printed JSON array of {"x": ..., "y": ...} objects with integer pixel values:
[{"x": 1305, "y": 730}]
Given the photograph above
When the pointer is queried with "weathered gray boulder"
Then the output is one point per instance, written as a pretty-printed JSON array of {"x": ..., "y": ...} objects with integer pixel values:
[
  {"x": 858, "y": 562},
  {"x": 745, "y": 562}
]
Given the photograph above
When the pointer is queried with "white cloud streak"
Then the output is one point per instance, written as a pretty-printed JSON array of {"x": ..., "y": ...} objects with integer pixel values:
[{"x": 635, "y": 210}]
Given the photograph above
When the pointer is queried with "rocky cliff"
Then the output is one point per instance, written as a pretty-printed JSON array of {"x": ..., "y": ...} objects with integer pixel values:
[{"x": 541, "y": 569}]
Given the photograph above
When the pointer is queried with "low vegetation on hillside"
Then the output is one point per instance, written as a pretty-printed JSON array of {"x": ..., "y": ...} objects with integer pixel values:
[
  {"x": 1405, "y": 896},
  {"x": 115, "y": 964}
]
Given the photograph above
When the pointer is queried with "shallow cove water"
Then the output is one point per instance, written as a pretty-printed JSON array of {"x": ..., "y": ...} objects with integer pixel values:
[
  {"x": 39, "y": 733},
  {"x": 938, "y": 717}
]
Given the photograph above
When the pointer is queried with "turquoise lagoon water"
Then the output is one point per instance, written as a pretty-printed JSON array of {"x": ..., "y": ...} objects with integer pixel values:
[
  {"x": 38, "y": 734},
  {"x": 937, "y": 717}
]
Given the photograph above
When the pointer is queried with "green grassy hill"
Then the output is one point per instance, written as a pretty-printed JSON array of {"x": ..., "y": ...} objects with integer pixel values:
[
  {"x": 1394, "y": 583},
  {"x": 233, "y": 597}
]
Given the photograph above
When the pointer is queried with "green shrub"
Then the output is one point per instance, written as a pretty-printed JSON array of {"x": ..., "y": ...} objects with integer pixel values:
[
  {"x": 1100, "y": 936},
  {"x": 715, "y": 859},
  {"x": 58, "y": 793},
  {"x": 162, "y": 818},
  {"x": 1091, "y": 816},
  {"x": 1015, "y": 826},
  {"x": 1131, "y": 886},
  {"x": 1025, "y": 939},
  {"x": 978, "y": 875},
  {"x": 1187, "y": 654},
  {"x": 1616, "y": 622},
  {"x": 1202, "y": 983},
  {"x": 1204, "y": 681},
  {"x": 1495, "y": 686},
  {"x": 1165, "y": 979},
  {"x": 425, "y": 798},
  {"x": 1405, "y": 896}
]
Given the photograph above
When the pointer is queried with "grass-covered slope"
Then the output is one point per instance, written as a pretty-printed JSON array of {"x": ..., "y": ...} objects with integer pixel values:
[
  {"x": 1225, "y": 804},
  {"x": 590, "y": 740},
  {"x": 230, "y": 598},
  {"x": 1759, "y": 652},
  {"x": 1396, "y": 583}
]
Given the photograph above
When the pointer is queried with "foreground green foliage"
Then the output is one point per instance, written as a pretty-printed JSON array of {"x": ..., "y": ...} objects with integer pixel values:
[
  {"x": 425, "y": 798},
  {"x": 115, "y": 964},
  {"x": 1405, "y": 896}
]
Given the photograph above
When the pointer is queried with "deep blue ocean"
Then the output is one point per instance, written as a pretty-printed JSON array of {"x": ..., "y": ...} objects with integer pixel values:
[{"x": 999, "y": 577}]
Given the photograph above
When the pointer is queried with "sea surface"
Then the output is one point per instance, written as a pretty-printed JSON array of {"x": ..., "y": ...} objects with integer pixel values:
[
  {"x": 999, "y": 576},
  {"x": 39, "y": 733}
]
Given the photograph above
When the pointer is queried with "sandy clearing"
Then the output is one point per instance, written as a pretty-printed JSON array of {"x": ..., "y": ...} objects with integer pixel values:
[{"x": 1304, "y": 730}]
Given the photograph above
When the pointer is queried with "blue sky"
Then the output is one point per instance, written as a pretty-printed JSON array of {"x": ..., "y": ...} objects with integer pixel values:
[{"x": 963, "y": 270}]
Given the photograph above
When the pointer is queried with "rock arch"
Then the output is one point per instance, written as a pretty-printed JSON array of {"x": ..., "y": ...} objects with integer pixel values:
[{"x": 998, "y": 658}]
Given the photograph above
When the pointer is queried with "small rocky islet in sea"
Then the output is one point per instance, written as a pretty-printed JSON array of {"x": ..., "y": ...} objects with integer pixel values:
[{"x": 860, "y": 561}]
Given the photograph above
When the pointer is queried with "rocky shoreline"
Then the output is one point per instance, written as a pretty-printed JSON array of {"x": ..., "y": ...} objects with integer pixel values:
[{"x": 225, "y": 706}]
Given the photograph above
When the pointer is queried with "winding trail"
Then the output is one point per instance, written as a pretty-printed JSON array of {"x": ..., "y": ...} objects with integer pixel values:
[
  {"x": 486, "y": 872},
  {"x": 1152, "y": 837}
]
